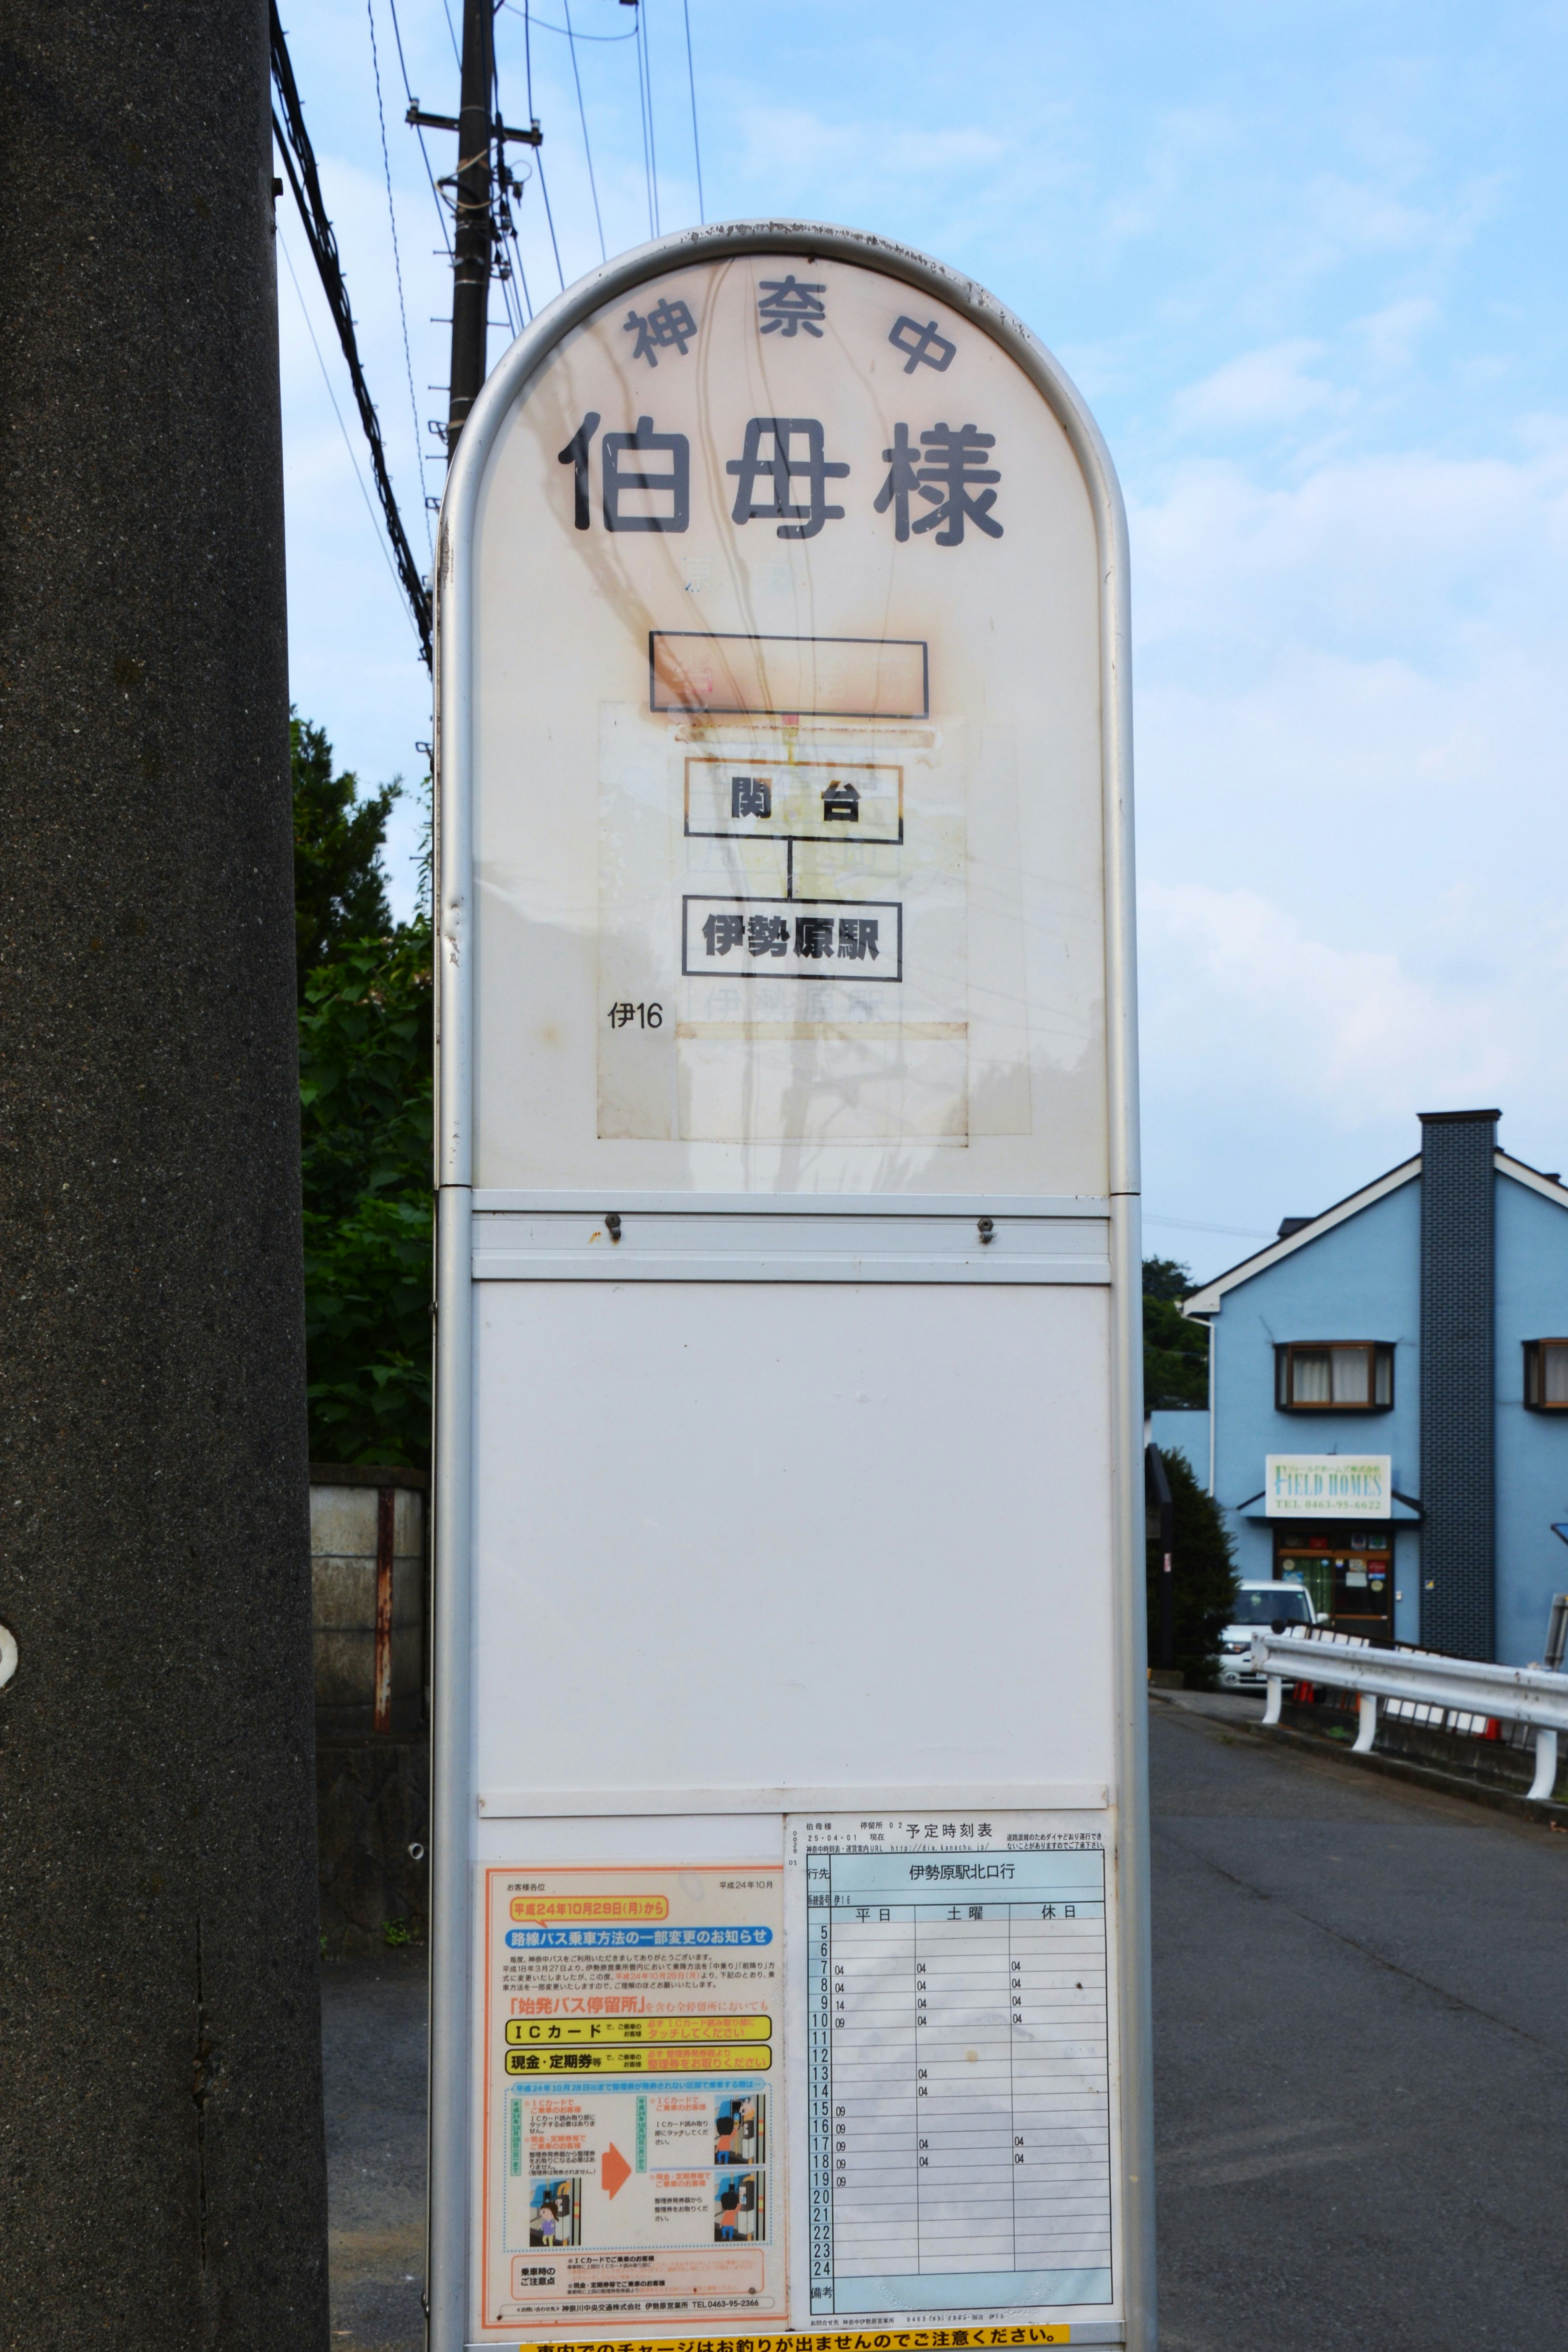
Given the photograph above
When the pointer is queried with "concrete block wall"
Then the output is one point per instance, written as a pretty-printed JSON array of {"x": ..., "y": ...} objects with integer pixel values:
[
  {"x": 373, "y": 1786},
  {"x": 345, "y": 1500}
]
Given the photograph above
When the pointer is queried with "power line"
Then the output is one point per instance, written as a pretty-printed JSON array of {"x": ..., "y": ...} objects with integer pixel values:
[
  {"x": 1191, "y": 1225},
  {"x": 539, "y": 159},
  {"x": 418, "y": 130},
  {"x": 648, "y": 84},
  {"x": 300, "y": 164},
  {"x": 338, "y": 412},
  {"x": 582, "y": 117},
  {"x": 642, "y": 111},
  {"x": 522, "y": 273},
  {"x": 566, "y": 34},
  {"x": 692, "y": 84},
  {"x": 397, "y": 267},
  {"x": 550, "y": 218},
  {"x": 500, "y": 209}
]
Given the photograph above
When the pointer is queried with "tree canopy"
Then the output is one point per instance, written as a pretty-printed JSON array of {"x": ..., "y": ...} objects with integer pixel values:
[
  {"x": 366, "y": 1113},
  {"x": 1175, "y": 1352},
  {"x": 339, "y": 887}
]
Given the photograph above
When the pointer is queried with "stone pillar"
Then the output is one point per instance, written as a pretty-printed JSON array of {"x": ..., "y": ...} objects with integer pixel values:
[{"x": 161, "y": 2165}]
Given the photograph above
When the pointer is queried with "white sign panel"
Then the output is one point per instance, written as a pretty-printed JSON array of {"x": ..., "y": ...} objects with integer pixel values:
[
  {"x": 789, "y": 1938},
  {"x": 1329, "y": 1486}
]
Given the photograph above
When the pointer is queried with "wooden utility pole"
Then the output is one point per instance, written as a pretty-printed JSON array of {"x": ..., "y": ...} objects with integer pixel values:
[
  {"x": 474, "y": 185},
  {"x": 473, "y": 240},
  {"x": 163, "y": 2181}
]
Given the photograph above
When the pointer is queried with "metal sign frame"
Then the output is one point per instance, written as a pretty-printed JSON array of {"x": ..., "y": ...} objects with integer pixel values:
[{"x": 451, "y": 2047}]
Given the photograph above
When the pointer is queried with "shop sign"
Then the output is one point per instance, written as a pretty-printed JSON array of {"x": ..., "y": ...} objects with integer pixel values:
[{"x": 1329, "y": 1486}]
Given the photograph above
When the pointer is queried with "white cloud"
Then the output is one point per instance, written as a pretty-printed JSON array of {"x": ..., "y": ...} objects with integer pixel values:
[
  {"x": 1391, "y": 552},
  {"x": 1263, "y": 387},
  {"x": 1388, "y": 337},
  {"x": 1353, "y": 752},
  {"x": 807, "y": 141},
  {"x": 1237, "y": 982}
]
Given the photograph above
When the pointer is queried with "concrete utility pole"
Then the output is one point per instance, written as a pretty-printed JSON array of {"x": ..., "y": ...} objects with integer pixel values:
[
  {"x": 472, "y": 236},
  {"x": 162, "y": 2169}
]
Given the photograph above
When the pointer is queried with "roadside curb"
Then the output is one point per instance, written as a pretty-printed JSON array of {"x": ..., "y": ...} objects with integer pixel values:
[{"x": 1425, "y": 1776}]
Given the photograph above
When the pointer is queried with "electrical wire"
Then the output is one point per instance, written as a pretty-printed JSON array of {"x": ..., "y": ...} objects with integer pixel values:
[
  {"x": 648, "y": 76},
  {"x": 522, "y": 273},
  {"x": 583, "y": 117},
  {"x": 348, "y": 443},
  {"x": 397, "y": 270},
  {"x": 300, "y": 165},
  {"x": 692, "y": 84},
  {"x": 653, "y": 150},
  {"x": 1190, "y": 1225},
  {"x": 418, "y": 133},
  {"x": 538, "y": 154},
  {"x": 500, "y": 269},
  {"x": 565, "y": 32},
  {"x": 550, "y": 218},
  {"x": 643, "y": 101}
]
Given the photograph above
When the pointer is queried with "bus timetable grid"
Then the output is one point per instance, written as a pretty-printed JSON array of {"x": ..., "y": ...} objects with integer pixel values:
[{"x": 958, "y": 2095}]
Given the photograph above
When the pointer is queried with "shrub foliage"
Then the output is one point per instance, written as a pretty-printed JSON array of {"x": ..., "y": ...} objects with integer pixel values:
[
  {"x": 1202, "y": 1574},
  {"x": 366, "y": 1109}
]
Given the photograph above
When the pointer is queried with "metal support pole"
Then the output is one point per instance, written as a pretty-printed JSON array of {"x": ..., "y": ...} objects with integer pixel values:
[
  {"x": 163, "y": 2176},
  {"x": 473, "y": 237},
  {"x": 1546, "y": 1779}
]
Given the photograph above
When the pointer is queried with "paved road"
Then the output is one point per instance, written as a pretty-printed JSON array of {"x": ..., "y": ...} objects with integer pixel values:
[
  {"x": 1360, "y": 2038},
  {"x": 1360, "y": 2022},
  {"x": 373, "y": 2044}
]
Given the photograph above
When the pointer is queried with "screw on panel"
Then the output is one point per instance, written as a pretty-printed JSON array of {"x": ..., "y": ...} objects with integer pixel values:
[
  {"x": 987, "y": 1229},
  {"x": 612, "y": 1225}
]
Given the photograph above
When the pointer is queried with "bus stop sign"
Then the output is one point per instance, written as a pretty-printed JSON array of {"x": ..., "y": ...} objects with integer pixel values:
[{"x": 789, "y": 1934}]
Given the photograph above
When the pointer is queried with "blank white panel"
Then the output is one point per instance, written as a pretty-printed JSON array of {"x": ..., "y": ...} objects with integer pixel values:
[
  {"x": 817, "y": 1535},
  {"x": 658, "y": 1837}
]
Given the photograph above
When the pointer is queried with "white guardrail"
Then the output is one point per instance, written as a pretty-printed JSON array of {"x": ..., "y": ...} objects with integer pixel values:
[{"x": 1528, "y": 1695}]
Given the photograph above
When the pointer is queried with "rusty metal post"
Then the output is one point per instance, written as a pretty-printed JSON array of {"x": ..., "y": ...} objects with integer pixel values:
[{"x": 386, "y": 1528}]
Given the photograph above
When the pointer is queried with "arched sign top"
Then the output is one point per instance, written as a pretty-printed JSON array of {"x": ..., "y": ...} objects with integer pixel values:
[
  {"x": 789, "y": 1940},
  {"x": 782, "y": 741}
]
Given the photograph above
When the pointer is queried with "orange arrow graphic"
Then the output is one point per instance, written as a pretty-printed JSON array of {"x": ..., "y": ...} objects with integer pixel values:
[{"x": 613, "y": 2171}]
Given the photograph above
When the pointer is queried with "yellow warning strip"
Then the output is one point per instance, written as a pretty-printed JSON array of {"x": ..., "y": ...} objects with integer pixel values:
[
  {"x": 893, "y": 2339},
  {"x": 750, "y": 2057},
  {"x": 611, "y": 2032}
]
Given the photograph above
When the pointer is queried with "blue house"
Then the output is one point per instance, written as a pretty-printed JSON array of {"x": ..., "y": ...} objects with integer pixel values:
[{"x": 1388, "y": 1399}]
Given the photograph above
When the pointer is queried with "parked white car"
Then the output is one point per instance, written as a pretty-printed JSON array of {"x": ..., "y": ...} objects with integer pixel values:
[{"x": 1272, "y": 1607}]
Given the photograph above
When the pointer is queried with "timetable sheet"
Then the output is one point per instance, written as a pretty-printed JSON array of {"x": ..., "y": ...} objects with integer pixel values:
[{"x": 956, "y": 2151}]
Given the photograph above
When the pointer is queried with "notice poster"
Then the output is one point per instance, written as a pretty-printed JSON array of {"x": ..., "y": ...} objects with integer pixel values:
[
  {"x": 954, "y": 2145},
  {"x": 633, "y": 2123}
]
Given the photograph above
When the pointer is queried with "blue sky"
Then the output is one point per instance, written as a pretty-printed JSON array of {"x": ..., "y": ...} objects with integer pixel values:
[{"x": 1306, "y": 265}]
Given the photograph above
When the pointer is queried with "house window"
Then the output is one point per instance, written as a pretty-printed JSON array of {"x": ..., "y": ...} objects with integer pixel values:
[
  {"x": 1339, "y": 1376},
  {"x": 1546, "y": 1375}
]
